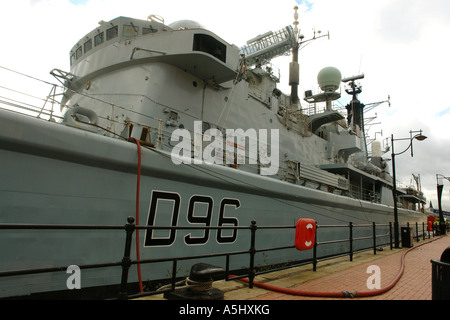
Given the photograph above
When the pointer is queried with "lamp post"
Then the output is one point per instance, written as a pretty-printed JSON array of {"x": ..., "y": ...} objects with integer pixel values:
[
  {"x": 442, "y": 226},
  {"x": 420, "y": 137}
]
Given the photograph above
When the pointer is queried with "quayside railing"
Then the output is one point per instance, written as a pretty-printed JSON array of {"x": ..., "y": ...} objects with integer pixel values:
[{"x": 252, "y": 270}]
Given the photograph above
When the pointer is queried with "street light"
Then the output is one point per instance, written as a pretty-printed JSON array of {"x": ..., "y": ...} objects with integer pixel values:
[
  {"x": 442, "y": 226},
  {"x": 420, "y": 137}
]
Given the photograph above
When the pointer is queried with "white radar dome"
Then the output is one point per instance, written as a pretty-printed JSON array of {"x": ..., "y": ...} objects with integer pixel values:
[
  {"x": 329, "y": 79},
  {"x": 185, "y": 24}
]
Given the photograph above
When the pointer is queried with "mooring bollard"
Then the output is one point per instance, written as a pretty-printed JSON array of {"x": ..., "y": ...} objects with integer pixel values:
[{"x": 198, "y": 286}]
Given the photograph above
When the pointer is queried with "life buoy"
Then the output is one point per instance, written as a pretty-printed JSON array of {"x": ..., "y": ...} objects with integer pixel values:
[{"x": 305, "y": 234}]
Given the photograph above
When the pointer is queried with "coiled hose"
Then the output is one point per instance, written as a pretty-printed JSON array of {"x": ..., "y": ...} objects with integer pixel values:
[{"x": 341, "y": 294}]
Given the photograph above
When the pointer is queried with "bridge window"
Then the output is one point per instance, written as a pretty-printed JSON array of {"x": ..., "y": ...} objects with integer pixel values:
[
  {"x": 112, "y": 33},
  {"x": 79, "y": 52},
  {"x": 130, "y": 31},
  {"x": 149, "y": 30},
  {"x": 208, "y": 44},
  {"x": 87, "y": 45},
  {"x": 98, "y": 39}
]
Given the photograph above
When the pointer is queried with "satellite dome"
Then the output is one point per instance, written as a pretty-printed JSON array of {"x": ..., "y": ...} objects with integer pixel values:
[
  {"x": 329, "y": 79},
  {"x": 185, "y": 24}
]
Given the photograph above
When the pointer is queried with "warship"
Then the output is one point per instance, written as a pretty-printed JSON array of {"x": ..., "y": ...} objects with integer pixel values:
[{"x": 211, "y": 140}]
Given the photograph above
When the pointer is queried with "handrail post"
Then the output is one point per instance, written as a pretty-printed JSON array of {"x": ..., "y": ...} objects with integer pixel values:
[
  {"x": 374, "y": 238},
  {"x": 315, "y": 250},
  {"x": 390, "y": 234},
  {"x": 252, "y": 252},
  {"x": 417, "y": 231},
  {"x": 227, "y": 267},
  {"x": 126, "y": 260},
  {"x": 174, "y": 273},
  {"x": 423, "y": 230},
  {"x": 350, "y": 226}
]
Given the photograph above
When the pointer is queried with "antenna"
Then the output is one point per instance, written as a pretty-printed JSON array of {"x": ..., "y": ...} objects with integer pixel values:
[
  {"x": 295, "y": 23},
  {"x": 353, "y": 78},
  {"x": 360, "y": 63},
  {"x": 269, "y": 45}
]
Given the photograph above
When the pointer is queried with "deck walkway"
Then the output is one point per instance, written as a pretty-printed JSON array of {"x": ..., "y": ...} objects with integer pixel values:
[
  {"x": 342, "y": 275},
  {"x": 339, "y": 275}
]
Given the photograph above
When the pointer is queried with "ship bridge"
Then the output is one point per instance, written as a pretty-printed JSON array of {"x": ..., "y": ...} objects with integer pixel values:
[
  {"x": 126, "y": 41},
  {"x": 116, "y": 30}
]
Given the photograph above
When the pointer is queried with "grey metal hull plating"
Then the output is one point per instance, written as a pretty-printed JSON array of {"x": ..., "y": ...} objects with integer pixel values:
[{"x": 54, "y": 174}]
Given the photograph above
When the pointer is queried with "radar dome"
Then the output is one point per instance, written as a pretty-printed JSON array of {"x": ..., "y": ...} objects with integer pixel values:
[
  {"x": 329, "y": 79},
  {"x": 185, "y": 24}
]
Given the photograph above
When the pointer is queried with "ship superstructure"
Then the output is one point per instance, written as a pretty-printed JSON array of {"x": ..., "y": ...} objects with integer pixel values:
[{"x": 120, "y": 72}]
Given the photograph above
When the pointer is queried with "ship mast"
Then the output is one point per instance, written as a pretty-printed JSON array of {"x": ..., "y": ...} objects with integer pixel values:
[
  {"x": 355, "y": 109},
  {"x": 294, "y": 68}
]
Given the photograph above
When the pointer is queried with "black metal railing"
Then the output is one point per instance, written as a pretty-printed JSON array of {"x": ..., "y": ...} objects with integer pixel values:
[{"x": 250, "y": 273}]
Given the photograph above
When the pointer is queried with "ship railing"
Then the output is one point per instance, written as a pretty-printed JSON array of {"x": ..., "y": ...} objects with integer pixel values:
[
  {"x": 378, "y": 235},
  {"x": 365, "y": 194},
  {"x": 31, "y": 103},
  {"x": 314, "y": 108}
]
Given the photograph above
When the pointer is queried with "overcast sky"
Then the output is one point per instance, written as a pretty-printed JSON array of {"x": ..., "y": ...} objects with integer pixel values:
[{"x": 400, "y": 45}]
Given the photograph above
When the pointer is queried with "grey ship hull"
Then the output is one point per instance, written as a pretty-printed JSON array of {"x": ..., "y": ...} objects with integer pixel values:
[{"x": 54, "y": 174}]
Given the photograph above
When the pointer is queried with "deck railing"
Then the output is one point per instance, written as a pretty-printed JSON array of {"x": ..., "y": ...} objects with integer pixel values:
[{"x": 378, "y": 234}]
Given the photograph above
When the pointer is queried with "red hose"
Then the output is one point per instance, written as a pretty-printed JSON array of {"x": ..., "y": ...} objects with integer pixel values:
[
  {"x": 341, "y": 294},
  {"x": 138, "y": 254}
]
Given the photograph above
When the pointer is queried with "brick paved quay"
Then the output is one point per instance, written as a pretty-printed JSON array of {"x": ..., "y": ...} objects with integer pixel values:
[{"x": 340, "y": 275}]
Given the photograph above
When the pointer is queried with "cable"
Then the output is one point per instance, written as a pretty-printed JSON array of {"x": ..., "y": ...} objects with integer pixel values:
[
  {"x": 341, "y": 294},
  {"x": 138, "y": 254}
]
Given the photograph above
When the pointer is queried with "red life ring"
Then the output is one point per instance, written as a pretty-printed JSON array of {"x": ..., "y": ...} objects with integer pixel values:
[{"x": 305, "y": 234}]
